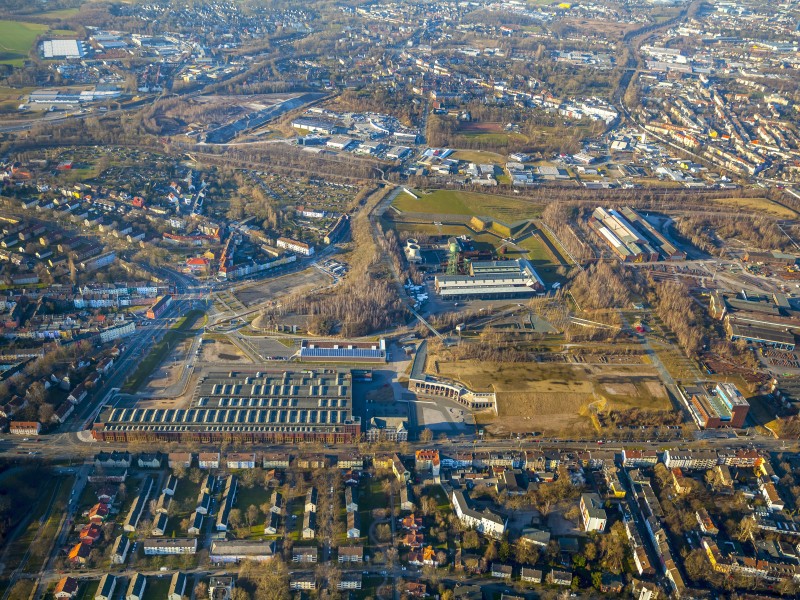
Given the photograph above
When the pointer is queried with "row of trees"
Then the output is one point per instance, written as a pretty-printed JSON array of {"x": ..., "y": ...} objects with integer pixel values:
[{"x": 678, "y": 311}]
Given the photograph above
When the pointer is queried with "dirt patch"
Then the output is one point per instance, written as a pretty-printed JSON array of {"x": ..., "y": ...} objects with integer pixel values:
[
  {"x": 220, "y": 351},
  {"x": 556, "y": 396},
  {"x": 480, "y": 128},
  {"x": 620, "y": 389}
]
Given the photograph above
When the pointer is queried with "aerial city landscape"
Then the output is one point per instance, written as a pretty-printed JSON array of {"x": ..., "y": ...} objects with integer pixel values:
[{"x": 362, "y": 300}]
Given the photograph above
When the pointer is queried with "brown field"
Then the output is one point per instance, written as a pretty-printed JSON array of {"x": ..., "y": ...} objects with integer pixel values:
[
  {"x": 759, "y": 205},
  {"x": 557, "y": 396},
  {"x": 480, "y": 127}
]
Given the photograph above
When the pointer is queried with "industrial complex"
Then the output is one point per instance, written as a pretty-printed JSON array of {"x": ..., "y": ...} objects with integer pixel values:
[
  {"x": 342, "y": 351},
  {"x": 247, "y": 406},
  {"x": 630, "y": 237},
  {"x": 491, "y": 279}
]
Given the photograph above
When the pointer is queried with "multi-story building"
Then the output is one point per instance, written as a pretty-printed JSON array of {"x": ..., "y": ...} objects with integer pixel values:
[
  {"x": 295, "y": 246},
  {"x": 485, "y": 522},
  {"x": 165, "y": 546},
  {"x": 593, "y": 515}
]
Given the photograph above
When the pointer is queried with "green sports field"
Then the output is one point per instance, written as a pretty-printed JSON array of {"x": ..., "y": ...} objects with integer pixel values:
[
  {"x": 454, "y": 202},
  {"x": 16, "y": 40}
]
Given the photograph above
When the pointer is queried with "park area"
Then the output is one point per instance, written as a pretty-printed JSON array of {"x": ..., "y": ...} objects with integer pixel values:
[{"x": 557, "y": 397}]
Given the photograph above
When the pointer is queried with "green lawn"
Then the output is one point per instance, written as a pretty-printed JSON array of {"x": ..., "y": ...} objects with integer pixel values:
[
  {"x": 538, "y": 253},
  {"x": 454, "y": 202},
  {"x": 435, "y": 491},
  {"x": 157, "y": 587},
  {"x": 16, "y": 40},
  {"x": 184, "y": 502},
  {"x": 256, "y": 495},
  {"x": 87, "y": 590},
  {"x": 64, "y": 13}
]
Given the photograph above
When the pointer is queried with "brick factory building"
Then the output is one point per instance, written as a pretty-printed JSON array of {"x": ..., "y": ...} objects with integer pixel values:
[{"x": 246, "y": 407}]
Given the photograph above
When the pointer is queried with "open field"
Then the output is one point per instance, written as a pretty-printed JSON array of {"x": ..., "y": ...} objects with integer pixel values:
[
  {"x": 56, "y": 15},
  {"x": 555, "y": 396},
  {"x": 478, "y": 156},
  {"x": 16, "y": 40},
  {"x": 271, "y": 289},
  {"x": 759, "y": 205},
  {"x": 453, "y": 202}
]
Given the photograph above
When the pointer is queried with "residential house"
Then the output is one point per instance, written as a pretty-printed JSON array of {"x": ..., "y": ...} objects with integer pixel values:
[
  {"x": 195, "y": 524},
  {"x": 179, "y": 459},
  {"x": 501, "y": 571},
  {"x": 593, "y": 516},
  {"x": 272, "y": 524},
  {"x": 208, "y": 460},
  {"x": 310, "y": 525},
  {"x": 98, "y": 513},
  {"x": 105, "y": 590},
  {"x": 485, "y": 522},
  {"x": 557, "y": 577},
  {"x": 241, "y": 460},
  {"x": 416, "y": 589},
  {"x": 66, "y": 588},
  {"x": 91, "y": 533},
  {"x": 136, "y": 587},
  {"x": 203, "y": 503},
  {"x": 167, "y": 546},
  {"x": 349, "y": 581},
  {"x": 311, "y": 500},
  {"x": 24, "y": 428},
  {"x": 138, "y": 506},
  {"x": 427, "y": 460},
  {"x": 119, "y": 551},
  {"x": 79, "y": 553},
  {"x": 350, "y": 461},
  {"x": 228, "y": 499},
  {"x": 177, "y": 586},
  {"x": 160, "y": 524},
  {"x": 535, "y": 537},
  {"x": 162, "y": 505},
  {"x": 170, "y": 486},
  {"x": 113, "y": 460},
  {"x": 150, "y": 460},
  {"x": 302, "y": 581},
  {"x": 350, "y": 500},
  {"x": 276, "y": 460},
  {"x": 305, "y": 554},
  {"x": 353, "y": 525},
  {"x": 531, "y": 575},
  {"x": 351, "y": 554},
  {"x": 399, "y": 470},
  {"x": 276, "y": 501}
]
